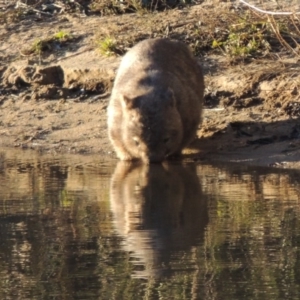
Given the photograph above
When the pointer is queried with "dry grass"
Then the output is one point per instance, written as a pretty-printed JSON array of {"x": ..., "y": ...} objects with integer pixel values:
[{"x": 241, "y": 34}]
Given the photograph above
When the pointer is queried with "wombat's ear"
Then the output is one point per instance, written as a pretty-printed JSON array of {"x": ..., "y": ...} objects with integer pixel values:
[
  {"x": 126, "y": 101},
  {"x": 130, "y": 103}
]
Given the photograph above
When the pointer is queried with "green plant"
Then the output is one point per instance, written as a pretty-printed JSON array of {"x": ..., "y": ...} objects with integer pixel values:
[
  {"x": 61, "y": 35},
  {"x": 48, "y": 43},
  {"x": 108, "y": 46},
  {"x": 37, "y": 46},
  {"x": 244, "y": 39}
]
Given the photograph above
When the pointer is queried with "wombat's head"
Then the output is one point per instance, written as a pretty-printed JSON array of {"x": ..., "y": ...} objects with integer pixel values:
[{"x": 152, "y": 128}]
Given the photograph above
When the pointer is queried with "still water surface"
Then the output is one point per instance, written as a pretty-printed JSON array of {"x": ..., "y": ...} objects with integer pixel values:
[{"x": 80, "y": 228}]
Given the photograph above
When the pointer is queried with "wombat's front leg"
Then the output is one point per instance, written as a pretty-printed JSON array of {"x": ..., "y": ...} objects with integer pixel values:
[
  {"x": 117, "y": 143},
  {"x": 122, "y": 154}
]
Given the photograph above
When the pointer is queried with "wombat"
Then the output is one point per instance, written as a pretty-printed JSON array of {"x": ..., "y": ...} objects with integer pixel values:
[{"x": 156, "y": 102}]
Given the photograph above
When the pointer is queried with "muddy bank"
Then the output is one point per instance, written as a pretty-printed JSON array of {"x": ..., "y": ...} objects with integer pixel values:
[
  {"x": 56, "y": 102},
  {"x": 240, "y": 123}
]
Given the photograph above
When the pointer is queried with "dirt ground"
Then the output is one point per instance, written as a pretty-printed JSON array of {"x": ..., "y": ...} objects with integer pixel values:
[{"x": 54, "y": 98}]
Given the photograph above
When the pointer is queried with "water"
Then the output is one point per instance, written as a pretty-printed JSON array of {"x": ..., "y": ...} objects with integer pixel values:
[{"x": 75, "y": 227}]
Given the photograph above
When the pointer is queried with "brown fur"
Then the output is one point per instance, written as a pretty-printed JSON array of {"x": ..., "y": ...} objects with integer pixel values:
[
  {"x": 157, "y": 208},
  {"x": 156, "y": 102}
]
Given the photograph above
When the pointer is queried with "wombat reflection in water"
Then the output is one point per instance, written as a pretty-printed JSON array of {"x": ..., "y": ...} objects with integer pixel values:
[{"x": 156, "y": 102}]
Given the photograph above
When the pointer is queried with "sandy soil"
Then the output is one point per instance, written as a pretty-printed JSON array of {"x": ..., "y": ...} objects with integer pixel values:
[{"x": 55, "y": 101}]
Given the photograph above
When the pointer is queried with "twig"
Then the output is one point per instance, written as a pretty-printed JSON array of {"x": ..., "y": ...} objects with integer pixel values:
[
  {"x": 296, "y": 27},
  {"x": 21, "y": 4},
  {"x": 269, "y": 12},
  {"x": 279, "y": 36},
  {"x": 270, "y": 16}
]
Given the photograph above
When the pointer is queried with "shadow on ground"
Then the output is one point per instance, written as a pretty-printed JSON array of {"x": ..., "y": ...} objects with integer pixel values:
[{"x": 266, "y": 143}]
